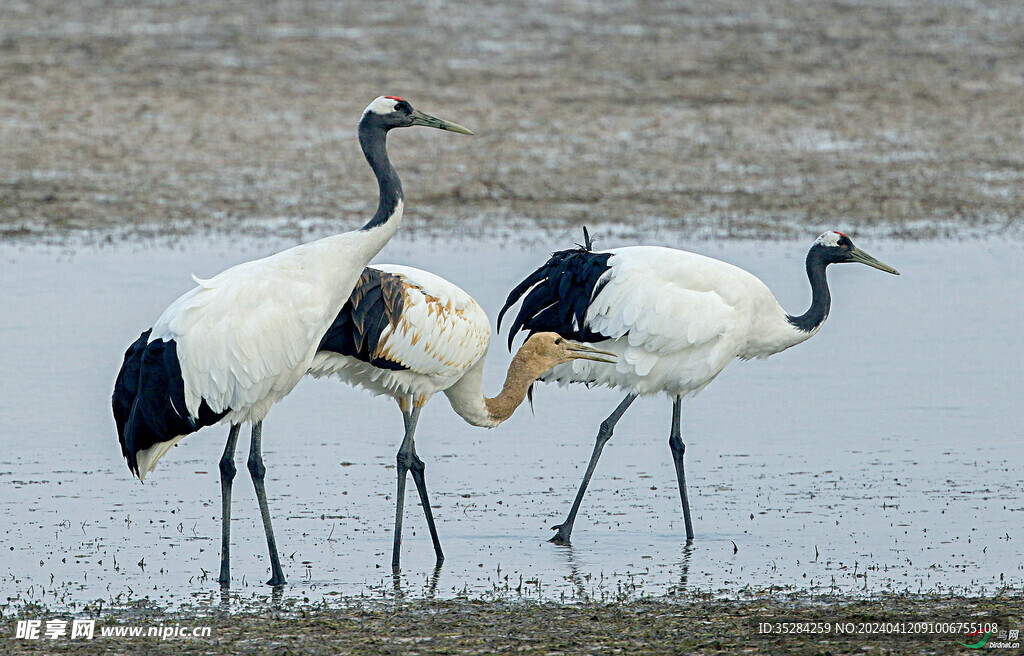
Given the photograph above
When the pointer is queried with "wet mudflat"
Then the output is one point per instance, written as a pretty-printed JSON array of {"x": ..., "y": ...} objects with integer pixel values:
[
  {"x": 724, "y": 115},
  {"x": 881, "y": 457}
]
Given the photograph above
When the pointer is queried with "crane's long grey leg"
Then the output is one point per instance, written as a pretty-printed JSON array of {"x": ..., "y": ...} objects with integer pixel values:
[
  {"x": 603, "y": 435},
  {"x": 258, "y": 472},
  {"x": 402, "y": 461},
  {"x": 417, "y": 467},
  {"x": 675, "y": 442},
  {"x": 408, "y": 461},
  {"x": 227, "y": 475}
]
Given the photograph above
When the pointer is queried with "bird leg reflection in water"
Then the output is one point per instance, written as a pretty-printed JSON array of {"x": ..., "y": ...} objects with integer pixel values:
[
  {"x": 432, "y": 581},
  {"x": 575, "y": 577},
  {"x": 684, "y": 571},
  {"x": 408, "y": 461}
]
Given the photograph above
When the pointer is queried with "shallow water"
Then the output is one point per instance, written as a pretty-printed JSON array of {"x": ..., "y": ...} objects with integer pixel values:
[{"x": 884, "y": 454}]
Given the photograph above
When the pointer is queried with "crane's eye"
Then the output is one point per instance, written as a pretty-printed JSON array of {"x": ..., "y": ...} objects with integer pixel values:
[{"x": 558, "y": 341}]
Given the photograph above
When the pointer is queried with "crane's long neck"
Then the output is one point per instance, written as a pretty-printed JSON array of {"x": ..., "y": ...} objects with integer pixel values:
[
  {"x": 468, "y": 400},
  {"x": 373, "y": 139},
  {"x": 821, "y": 300},
  {"x": 517, "y": 383}
]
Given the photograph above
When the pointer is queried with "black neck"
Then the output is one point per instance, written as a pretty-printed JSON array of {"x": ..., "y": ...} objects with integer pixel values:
[
  {"x": 373, "y": 139},
  {"x": 821, "y": 300}
]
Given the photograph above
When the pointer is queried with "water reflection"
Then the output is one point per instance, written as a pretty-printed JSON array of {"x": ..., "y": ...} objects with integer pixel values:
[
  {"x": 428, "y": 591},
  {"x": 574, "y": 576},
  {"x": 683, "y": 566}
]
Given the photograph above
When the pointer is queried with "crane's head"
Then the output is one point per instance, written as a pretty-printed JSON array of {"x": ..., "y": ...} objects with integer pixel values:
[
  {"x": 394, "y": 112},
  {"x": 547, "y": 350},
  {"x": 835, "y": 248}
]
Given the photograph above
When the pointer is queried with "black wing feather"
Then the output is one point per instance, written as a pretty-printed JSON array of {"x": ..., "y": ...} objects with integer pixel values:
[{"x": 376, "y": 301}]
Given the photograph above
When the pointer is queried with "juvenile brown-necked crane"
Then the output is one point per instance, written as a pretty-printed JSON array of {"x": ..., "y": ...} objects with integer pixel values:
[
  {"x": 675, "y": 319},
  {"x": 410, "y": 334},
  {"x": 239, "y": 342}
]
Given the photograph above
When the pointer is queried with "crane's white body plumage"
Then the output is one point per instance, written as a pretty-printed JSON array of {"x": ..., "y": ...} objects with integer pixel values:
[
  {"x": 246, "y": 336},
  {"x": 675, "y": 319},
  {"x": 441, "y": 335}
]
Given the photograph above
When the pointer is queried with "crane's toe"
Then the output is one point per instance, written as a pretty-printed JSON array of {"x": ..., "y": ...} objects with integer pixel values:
[{"x": 561, "y": 537}]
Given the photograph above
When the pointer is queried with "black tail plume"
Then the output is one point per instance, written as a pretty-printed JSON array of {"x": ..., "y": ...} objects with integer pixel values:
[{"x": 556, "y": 296}]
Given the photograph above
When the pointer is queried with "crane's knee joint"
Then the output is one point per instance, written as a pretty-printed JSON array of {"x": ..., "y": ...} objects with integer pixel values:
[
  {"x": 227, "y": 469},
  {"x": 417, "y": 464},
  {"x": 676, "y": 444},
  {"x": 257, "y": 469},
  {"x": 605, "y": 433}
]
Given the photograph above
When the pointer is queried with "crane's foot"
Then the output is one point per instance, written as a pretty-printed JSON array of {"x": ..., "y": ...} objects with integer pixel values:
[
  {"x": 276, "y": 580},
  {"x": 562, "y": 536}
]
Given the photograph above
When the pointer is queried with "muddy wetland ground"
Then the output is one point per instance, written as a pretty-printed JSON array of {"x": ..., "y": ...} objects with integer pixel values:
[{"x": 860, "y": 493}]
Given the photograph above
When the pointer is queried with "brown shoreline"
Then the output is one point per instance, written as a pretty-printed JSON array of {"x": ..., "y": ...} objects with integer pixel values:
[{"x": 886, "y": 624}]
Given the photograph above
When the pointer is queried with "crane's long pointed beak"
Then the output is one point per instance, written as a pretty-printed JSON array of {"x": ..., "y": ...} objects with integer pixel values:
[
  {"x": 583, "y": 352},
  {"x": 419, "y": 118},
  {"x": 857, "y": 255}
]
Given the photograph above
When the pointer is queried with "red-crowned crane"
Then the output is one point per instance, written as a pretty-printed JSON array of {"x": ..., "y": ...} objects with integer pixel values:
[
  {"x": 410, "y": 334},
  {"x": 674, "y": 319},
  {"x": 240, "y": 341}
]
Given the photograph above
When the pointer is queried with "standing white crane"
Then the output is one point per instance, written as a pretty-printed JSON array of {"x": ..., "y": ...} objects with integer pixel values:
[
  {"x": 674, "y": 319},
  {"x": 240, "y": 341},
  {"x": 410, "y": 334}
]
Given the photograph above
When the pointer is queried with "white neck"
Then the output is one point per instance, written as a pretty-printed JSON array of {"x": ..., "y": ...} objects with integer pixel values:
[
  {"x": 772, "y": 333},
  {"x": 467, "y": 397}
]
